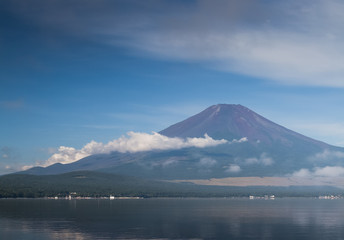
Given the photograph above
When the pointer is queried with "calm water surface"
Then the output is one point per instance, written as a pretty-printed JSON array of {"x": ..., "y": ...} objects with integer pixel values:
[{"x": 172, "y": 219}]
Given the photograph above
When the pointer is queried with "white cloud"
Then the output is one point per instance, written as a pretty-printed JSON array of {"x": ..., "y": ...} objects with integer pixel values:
[
  {"x": 133, "y": 142},
  {"x": 203, "y": 142},
  {"x": 241, "y": 140},
  {"x": 233, "y": 168},
  {"x": 328, "y": 171},
  {"x": 70, "y": 154},
  {"x": 264, "y": 159},
  {"x": 327, "y": 155},
  {"x": 302, "y": 173},
  {"x": 26, "y": 167}
]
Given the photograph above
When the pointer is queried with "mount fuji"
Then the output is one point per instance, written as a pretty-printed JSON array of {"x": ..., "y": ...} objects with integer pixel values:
[{"x": 255, "y": 146}]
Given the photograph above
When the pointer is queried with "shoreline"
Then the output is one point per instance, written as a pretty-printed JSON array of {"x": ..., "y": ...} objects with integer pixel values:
[{"x": 321, "y": 197}]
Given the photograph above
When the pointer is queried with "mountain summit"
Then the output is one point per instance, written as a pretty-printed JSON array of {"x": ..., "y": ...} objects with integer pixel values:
[{"x": 234, "y": 121}]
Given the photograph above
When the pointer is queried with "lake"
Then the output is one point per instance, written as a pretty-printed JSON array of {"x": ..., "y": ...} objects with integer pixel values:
[{"x": 287, "y": 218}]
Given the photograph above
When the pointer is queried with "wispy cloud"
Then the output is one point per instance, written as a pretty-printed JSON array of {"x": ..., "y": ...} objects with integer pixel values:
[
  {"x": 207, "y": 162},
  {"x": 327, "y": 155},
  {"x": 263, "y": 159},
  {"x": 133, "y": 142},
  {"x": 167, "y": 162},
  {"x": 292, "y": 47},
  {"x": 291, "y": 42},
  {"x": 233, "y": 168}
]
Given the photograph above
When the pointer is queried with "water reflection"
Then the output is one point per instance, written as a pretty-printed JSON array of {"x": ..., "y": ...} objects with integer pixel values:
[{"x": 172, "y": 219}]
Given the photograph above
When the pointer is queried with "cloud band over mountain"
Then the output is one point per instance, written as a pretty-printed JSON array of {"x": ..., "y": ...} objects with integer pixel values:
[{"x": 133, "y": 142}]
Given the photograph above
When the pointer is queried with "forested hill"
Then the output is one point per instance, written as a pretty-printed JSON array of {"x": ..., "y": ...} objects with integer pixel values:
[{"x": 98, "y": 184}]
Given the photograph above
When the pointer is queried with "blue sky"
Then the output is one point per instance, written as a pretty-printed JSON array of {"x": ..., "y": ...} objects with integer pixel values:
[{"x": 76, "y": 71}]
